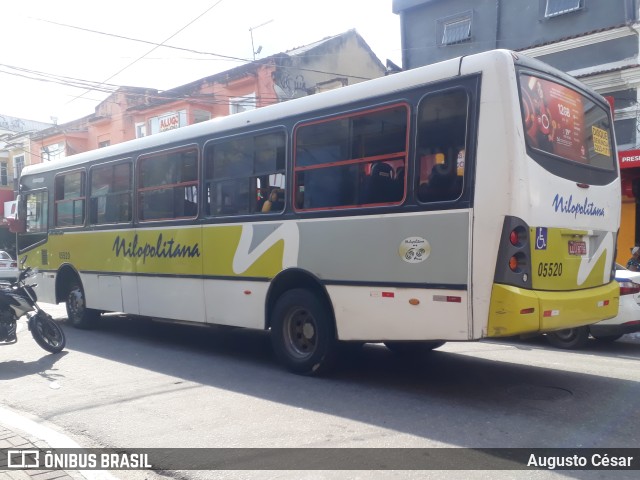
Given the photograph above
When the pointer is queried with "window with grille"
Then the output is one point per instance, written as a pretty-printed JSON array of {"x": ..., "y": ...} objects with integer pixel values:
[
  {"x": 454, "y": 29},
  {"x": 559, "y": 7},
  {"x": 18, "y": 165}
]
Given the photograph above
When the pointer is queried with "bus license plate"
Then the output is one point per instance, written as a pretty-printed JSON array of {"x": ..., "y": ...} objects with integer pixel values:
[{"x": 577, "y": 248}]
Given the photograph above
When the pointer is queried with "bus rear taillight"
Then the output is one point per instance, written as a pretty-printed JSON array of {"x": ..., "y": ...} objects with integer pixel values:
[
  {"x": 513, "y": 266},
  {"x": 518, "y": 262},
  {"x": 518, "y": 236}
]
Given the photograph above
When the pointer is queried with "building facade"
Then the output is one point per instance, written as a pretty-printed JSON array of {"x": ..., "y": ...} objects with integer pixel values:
[
  {"x": 15, "y": 150},
  {"x": 596, "y": 41},
  {"x": 133, "y": 112}
]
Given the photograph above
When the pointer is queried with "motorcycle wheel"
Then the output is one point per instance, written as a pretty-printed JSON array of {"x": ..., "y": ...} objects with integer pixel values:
[{"x": 47, "y": 333}]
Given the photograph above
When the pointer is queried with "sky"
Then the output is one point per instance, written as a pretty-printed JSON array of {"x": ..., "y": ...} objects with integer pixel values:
[{"x": 55, "y": 55}]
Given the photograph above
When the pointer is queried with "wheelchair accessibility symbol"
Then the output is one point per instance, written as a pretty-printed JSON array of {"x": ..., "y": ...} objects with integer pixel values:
[{"x": 541, "y": 238}]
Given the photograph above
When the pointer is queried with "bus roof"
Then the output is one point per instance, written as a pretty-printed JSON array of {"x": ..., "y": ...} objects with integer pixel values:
[{"x": 280, "y": 111}]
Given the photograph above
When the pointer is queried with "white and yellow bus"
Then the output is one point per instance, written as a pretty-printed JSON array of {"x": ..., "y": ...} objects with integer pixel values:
[{"x": 474, "y": 198}]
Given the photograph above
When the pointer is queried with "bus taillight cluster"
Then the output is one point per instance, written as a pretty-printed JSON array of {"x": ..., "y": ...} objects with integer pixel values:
[{"x": 518, "y": 238}]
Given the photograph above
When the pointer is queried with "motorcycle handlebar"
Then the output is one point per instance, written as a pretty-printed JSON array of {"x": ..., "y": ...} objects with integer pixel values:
[{"x": 26, "y": 273}]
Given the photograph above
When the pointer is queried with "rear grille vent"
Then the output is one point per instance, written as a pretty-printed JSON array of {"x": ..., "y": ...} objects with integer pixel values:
[{"x": 45, "y": 256}]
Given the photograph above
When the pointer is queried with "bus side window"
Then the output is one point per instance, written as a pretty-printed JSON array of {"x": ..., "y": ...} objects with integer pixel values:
[
  {"x": 442, "y": 126},
  {"x": 242, "y": 173}
]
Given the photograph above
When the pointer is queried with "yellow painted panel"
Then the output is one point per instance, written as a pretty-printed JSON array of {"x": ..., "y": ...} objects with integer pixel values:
[
  {"x": 554, "y": 268},
  {"x": 509, "y": 311}
]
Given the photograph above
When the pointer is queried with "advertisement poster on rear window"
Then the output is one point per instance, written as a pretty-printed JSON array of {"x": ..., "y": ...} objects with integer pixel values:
[{"x": 554, "y": 119}]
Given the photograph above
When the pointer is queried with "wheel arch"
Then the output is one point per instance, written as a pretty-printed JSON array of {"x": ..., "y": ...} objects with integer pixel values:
[
  {"x": 290, "y": 279},
  {"x": 64, "y": 278}
]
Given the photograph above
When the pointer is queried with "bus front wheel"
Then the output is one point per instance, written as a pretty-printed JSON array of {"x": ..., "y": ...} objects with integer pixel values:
[
  {"x": 77, "y": 312},
  {"x": 303, "y": 332}
]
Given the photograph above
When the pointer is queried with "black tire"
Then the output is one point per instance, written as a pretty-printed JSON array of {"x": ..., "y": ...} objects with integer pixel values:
[
  {"x": 413, "y": 348},
  {"x": 47, "y": 333},
  {"x": 78, "y": 314},
  {"x": 570, "y": 338},
  {"x": 606, "y": 338},
  {"x": 303, "y": 333}
]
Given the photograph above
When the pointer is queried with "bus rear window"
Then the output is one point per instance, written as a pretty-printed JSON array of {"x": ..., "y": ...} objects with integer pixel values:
[{"x": 562, "y": 123}]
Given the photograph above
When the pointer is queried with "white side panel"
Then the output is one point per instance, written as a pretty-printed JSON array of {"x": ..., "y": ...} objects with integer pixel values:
[
  {"x": 369, "y": 313},
  {"x": 239, "y": 303},
  {"x": 174, "y": 298},
  {"x": 109, "y": 293},
  {"x": 130, "y": 295},
  {"x": 103, "y": 292},
  {"x": 46, "y": 289}
]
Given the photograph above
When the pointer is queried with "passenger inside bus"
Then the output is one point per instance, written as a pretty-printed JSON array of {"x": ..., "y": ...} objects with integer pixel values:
[
  {"x": 275, "y": 202},
  {"x": 443, "y": 182},
  {"x": 378, "y": 186}
]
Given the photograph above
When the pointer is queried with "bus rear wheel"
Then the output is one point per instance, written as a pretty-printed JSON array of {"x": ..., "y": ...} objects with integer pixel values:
[
  {"x": 303, "y": 332},
  {"x": 77, "y": 312},
  {"x": 569, "y": 338}
]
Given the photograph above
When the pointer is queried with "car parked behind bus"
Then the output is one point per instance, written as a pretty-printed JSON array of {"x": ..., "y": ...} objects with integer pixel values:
[
  {"x": 627, "y": 320},
  {"x": 8, "y": 267}
]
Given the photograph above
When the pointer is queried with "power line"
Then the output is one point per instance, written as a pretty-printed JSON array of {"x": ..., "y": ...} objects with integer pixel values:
[
  {"x": 139, "y": 40},
  {"x": 154, "y": 48},
  {"x": 35, "y": 75},
  {"x": 198, "y": 52}
]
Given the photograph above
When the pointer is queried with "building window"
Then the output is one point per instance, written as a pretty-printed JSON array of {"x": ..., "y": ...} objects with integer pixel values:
[
  {"x": 141, "y": 130},
  {"x": 454, "y": 29},
  {"x": 559, "y": 7},
  {"x": 18, "y": 163},
  {"x": 55, "y": 151},
  {"x": 201, "y": 116},
  {"x": 242, "y": 104},
  {"x": 104, "y": 143},
  {"x": 4, "y": 178}
]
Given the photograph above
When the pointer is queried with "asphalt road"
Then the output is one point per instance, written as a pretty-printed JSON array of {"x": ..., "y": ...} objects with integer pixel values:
[{"x": 132, "y": 384}]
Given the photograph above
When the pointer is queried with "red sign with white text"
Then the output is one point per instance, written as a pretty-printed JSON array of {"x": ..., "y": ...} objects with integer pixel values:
[{"x": 629, "y": 159}]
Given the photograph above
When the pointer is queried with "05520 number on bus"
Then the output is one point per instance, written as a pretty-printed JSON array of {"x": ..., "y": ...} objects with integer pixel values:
[{"x": 550, "y": 269}]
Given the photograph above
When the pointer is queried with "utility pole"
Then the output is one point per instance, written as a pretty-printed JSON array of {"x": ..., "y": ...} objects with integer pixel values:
[{"x": 253, "y": 49}]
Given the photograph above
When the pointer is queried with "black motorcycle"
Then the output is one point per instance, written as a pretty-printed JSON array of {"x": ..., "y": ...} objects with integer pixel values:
[{"x": 17, "y": 299}]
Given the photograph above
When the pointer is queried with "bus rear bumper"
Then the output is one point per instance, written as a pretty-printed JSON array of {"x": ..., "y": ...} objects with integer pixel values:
[{"x": 516, "y": 311}]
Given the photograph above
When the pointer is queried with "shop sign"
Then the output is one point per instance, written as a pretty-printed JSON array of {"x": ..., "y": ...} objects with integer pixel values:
[
  {"x": 629, "y": 159},
  {"x": 169, "y": 122}
]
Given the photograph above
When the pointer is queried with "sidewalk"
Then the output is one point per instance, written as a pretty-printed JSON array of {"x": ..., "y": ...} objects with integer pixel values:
[
  {"x": 15, "y": 439},
  {"x": 17, "y": 432}
]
